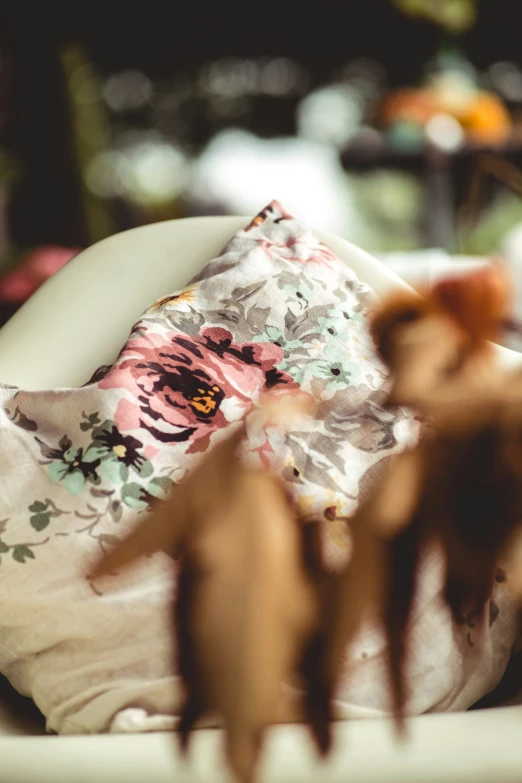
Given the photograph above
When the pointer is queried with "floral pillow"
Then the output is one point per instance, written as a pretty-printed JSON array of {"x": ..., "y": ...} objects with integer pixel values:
[{"x": 277, "y": 310}]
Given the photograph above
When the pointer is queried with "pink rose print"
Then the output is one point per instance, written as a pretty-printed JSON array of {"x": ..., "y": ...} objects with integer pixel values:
[{"x": 179, "y": 383}]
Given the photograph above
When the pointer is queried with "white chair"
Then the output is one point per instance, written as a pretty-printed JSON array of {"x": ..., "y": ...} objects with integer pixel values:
[{"x": 78, "y": 321}]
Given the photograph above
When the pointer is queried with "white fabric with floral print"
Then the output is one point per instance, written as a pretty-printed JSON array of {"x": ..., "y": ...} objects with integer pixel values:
[{"x": 276, "y": 311}]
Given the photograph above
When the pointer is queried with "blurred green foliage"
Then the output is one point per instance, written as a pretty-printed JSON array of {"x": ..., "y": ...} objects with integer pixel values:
[{"x": 456, "y": 16}]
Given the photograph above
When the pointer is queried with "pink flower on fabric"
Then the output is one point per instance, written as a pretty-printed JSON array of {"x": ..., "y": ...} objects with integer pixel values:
[{"x": 178, "y": 383}]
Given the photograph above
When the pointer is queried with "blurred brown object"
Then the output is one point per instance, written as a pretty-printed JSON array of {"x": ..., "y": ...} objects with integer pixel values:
[
  {"x": 247, "y": 598},
  {"x": 429, "y": 341},
  {"x": 255, "y": 607},
  {"x": 460, "y": 489}
]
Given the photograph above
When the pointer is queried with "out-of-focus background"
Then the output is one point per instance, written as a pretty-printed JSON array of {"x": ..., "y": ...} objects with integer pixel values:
[{"x": 396, "y": 124}]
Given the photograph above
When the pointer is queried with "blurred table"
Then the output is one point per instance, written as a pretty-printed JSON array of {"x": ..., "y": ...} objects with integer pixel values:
[{"x": 447, "y": 176}]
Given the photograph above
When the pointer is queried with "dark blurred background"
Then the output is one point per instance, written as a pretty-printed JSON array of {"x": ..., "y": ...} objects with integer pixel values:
[{"x": 393, "y": 123}]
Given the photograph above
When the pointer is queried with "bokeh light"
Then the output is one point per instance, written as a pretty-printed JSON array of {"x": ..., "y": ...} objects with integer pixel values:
[
  {"x": 128, "y": 90},
  {"x": 332, "y": 114},
  {"x": 145, "y": 168}
]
